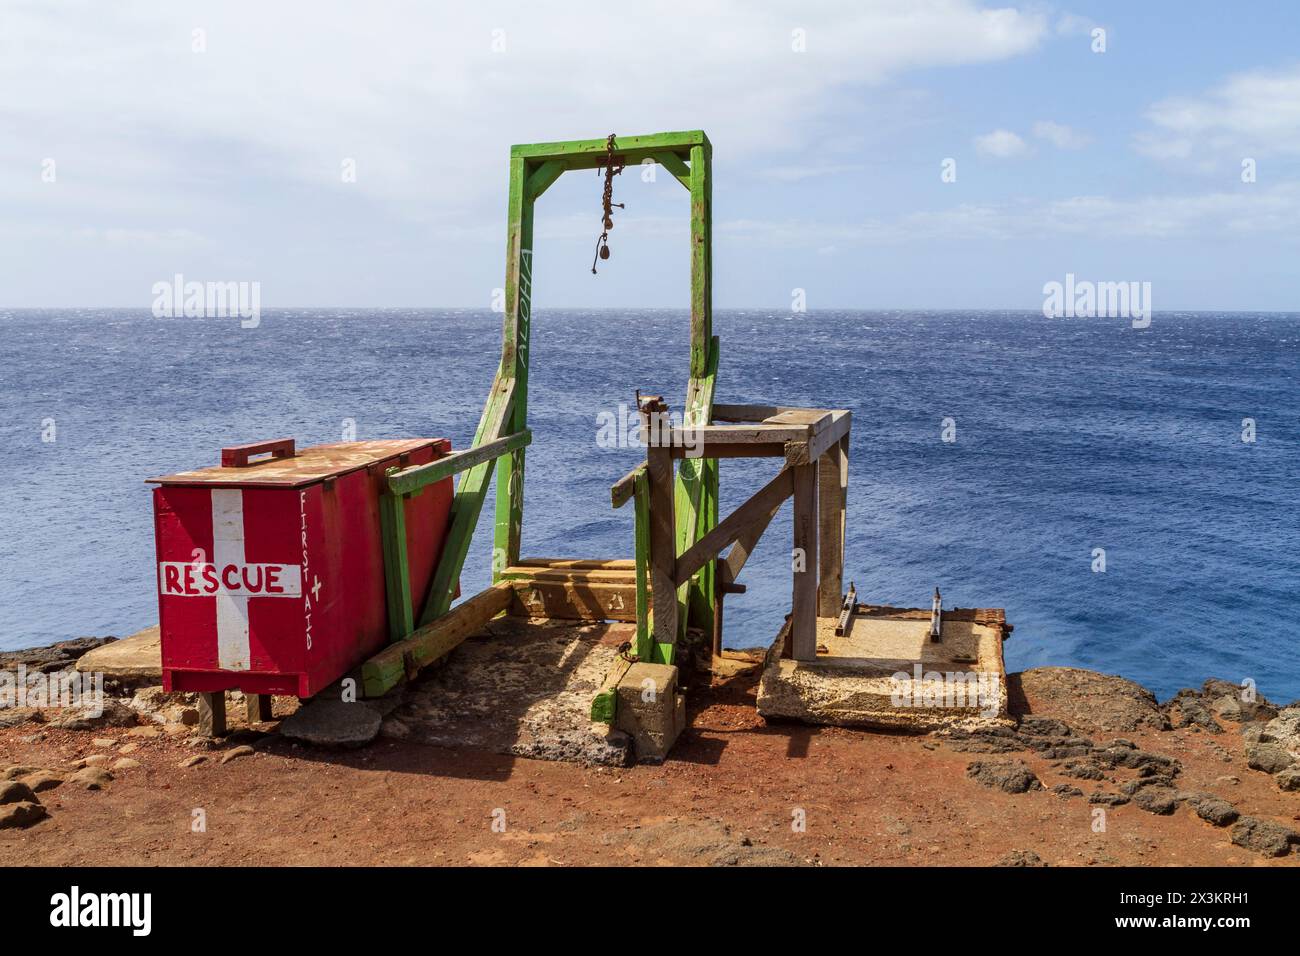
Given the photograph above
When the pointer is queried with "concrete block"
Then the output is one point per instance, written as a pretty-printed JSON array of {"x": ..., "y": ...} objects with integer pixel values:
[{"x": 650, "y": 710}]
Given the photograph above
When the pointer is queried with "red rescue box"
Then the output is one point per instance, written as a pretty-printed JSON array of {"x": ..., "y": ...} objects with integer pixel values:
[{"x": 271, "y": 570}]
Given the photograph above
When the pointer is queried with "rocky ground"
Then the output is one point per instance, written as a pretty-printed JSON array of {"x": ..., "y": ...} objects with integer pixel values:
[{"x": 1094, "y": 772}]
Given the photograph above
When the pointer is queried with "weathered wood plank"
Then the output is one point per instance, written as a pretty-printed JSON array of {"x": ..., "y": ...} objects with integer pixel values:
[
  {"x": 212, "y": 713},
  {"x": 257, "y": 708},
  {"x": 508, "y": 526},
  {"x": 602, "y": 601},
  {"x": 383, "y": 671},
  {"x": 803, "y": 613},
  {"x": 589, "y": 153},
  {"x": 689, "y": 500},
  {"x": 663, "y": 542},
  {"x": 397, "y": 570},
  {"x": 544, "y": 176},
  {"x": 578, "y": 564},
  {"x": 729, "y": 567},
  {"x": 622, "y": 489},
  {"x": 675, "y": 165},
  {"x": 641, "y": 503},
  {"x": 832, "y": 489},
  {"x": 756, "y": 510},
  {"x": 417, "y": 477},
  {"x": 468, "y": 503}
]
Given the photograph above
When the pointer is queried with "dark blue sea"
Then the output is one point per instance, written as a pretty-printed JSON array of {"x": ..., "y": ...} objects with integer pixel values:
[{"x": 1071, "y": 435}]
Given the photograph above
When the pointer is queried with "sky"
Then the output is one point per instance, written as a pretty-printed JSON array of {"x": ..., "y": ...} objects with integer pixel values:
[{"x": 139, "y": 140}]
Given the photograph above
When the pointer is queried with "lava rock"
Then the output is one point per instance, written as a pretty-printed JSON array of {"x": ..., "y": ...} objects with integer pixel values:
[
  {"x": 1159, "y": 800},
  {"x": 1108, "y": 799},
  {"x": 1085, "y": 700},
  {"x": 1008, "y": 777},
  {"x": 1264, "y": 836},
  {"x": 1288, "y": 779},
  {"x": 1268, "y": 758},
  {"x": 1083, "y": 770},
  {"x": 1212, "y": 809},
  {"x": 1188, "y": 708}
]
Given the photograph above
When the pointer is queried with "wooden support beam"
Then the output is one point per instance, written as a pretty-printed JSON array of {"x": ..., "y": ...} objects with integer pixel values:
[
  {"x": 590, "y": 153},
  {"x": 747, "y": 413},
  {"x": 803, "y": 613},
  {"x": 690, "y": 504},
  {"x": 574, "y": 600},
  {"x": 508, "y": 525},
  {"x": 729, "y": 567},
  {"x": 832, "y": 488},
  {"x": 622, "y": 490},
  {"x": 404, "y": 659},
  {"x": 662, "y": 536},
  {"x": 212, "y": 713},
  {"x": 258, "y": 708},
  {"x": 541, "y": 178},
  {"x": 641, "y": 503},
  {"x": 468, "y": 502},
  {"x": 397, "y": 570},
  {"x": 578, "y": 564},
  {"x": 675, "y": 165},
  {"x": 408, "y": 480},
  {"x": 754, "y": 512}
]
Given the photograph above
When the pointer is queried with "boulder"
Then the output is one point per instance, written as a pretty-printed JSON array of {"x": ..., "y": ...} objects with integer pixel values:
[
  {"x": 11, "y": 791},
  {"x": 1008, "y": 777},
  {"x": 114, "y": 714},
  {"x": 329, "y": 722},
  {"x": 1284, "y": 730},
  {"x": 1212, "y": 809},
  {"x": 1264, "y": 836},
  {"x": 1159, "y": 800},
  {"x": 43, "y": 780},
  {"x": 1268, "y": 758},
  {"x": 91, "y": 778},
  {"x": 1288, "y": 779},
  {"x": 1087, "y": 700}
]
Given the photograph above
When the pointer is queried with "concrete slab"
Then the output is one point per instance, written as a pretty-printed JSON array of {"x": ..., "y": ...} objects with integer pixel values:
[
  {"x": 886, "y": 672},
  {"x": 523, "y": 686},
  {"x": 137, "y": 656}
]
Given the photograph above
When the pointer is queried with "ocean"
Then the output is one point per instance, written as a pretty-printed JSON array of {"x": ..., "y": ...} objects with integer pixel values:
[{"x": 1067, "y": 436}]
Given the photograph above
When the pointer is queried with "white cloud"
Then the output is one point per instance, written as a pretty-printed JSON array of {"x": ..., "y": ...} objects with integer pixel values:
[
  {"x": 1001, "y": 143},
  {"x": 1250, "y": 114},
  {"x": 1060, "y": 135},
  {"x": 415, "y": 93},
  {"x": 1258, "y": 211}
]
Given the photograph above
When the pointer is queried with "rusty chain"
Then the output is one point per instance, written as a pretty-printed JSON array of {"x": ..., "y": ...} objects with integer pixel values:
[{"x": 607, "y": 200}]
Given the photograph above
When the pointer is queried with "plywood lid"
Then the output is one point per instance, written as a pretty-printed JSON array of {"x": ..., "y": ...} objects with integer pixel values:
[{"x": 308, "y": 465}]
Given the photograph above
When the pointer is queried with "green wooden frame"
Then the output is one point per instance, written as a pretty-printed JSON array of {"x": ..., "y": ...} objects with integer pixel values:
[{"x": 687, "y": 156}]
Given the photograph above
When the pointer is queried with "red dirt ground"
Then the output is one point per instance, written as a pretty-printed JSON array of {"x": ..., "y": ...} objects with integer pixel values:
[{"x": 728, "y": 795}]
